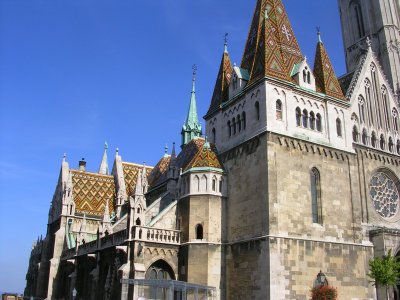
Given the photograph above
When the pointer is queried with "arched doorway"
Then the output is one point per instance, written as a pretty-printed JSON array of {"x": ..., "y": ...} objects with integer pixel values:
[{"x": 159, "y": 270}]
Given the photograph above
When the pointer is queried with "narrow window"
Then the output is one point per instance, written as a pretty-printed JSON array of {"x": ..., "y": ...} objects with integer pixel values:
[
  {"x": 304, "y": 75},
  {"x": 298, "y": 116},
  {"x": 361, "y": 108},
  {"x": 138, "y": 222},
  {"x": 214, "y": 136},
  {"x": 214, "y": 184},
  {"x": 197, "y": 183},
  {"x": 398, "y": 147},
  {"x": 355, "y": 134},
  {"x": 239, "y": 123},
  {"x": 257, "y": 105},
  {"x": 199, "y": 232},
  {"x": 279, "y": 110},
  {"x": 309, "y": 77},
  {"x": 373, "y": 139},
  {"x": 234, "y": 125},
  {"x": 244, "y": 120},
  {"x": 364, "y": 137},
  {"x": 382, "y": 142},
  {"x": 339, "y": 127},
  {"x": 305, "y": 118},
  {"x": 220, "y": 186},
  {"x": 316, "y": 196},
  {"x": 395, "y": 116},
  {"x": 391, "y": 145},
  {"x": 318, "y": 122},
  {"x": 229, "y": 128},
  {"x": 312, "y": 120}
]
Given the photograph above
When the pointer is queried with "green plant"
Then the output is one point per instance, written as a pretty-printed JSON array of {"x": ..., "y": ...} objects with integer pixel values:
[
  {"x": 324, "y": 292},
  {"x": 385, "y": 271}
]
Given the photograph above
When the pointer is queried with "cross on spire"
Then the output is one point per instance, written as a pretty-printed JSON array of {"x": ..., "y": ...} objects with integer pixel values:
[{"x": 319, "y": 34}]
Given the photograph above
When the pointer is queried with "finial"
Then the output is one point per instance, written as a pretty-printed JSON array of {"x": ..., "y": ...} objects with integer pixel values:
[
  {"x": 64, "y": 157},
  {"x": 226, "y": 42},
  {"x": 105, "y": 145},
  {"x": 116, "y": 150},
  {"x": 166, "y": 149},
  {"x": 319, "y": 34}
]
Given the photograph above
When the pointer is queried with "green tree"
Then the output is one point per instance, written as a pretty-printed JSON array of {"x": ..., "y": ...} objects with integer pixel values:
[{"x": 385, "y": 271}]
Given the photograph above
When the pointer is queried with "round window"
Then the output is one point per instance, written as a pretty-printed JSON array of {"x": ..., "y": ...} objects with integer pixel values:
[{"x": 385, "y": 195}]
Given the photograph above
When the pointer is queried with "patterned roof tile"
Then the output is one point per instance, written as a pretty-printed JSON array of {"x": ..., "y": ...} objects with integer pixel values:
[
  {"x": 159, "y": 173},
  {"x": 130, "y": 174}
]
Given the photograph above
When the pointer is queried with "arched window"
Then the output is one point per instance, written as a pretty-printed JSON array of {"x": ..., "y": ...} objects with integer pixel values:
[
  {"x": 197, "y": 183},
  {"x": 382, "y": 142},
  {"x": 239, "y": 123},
  {"x": 316, "y": 206},
  {"x": 244, "y": 120},
  {"x": 234, "y": 125},
  {"x": 373, "y": 139},
  {"x": 391, "y": 145},
  {"x": 364, "y": 137},
  {"x": 361, "y": 108},
  {"x": 339, "y": 127},
  {"x": 160, "y": 270},
  {"x": 229, "y": 128},
  {"x": 214, "y": 184},
  {"x": 312, "y": 120},
  {"x": 298, "y": 116},
  {"x": 204, "y": 183},
  {"x": 318, "y": 122},
  {"x": 304, "y": 75},
  {"x": 398, "y": 147},
  {"x": 199, "y": 232},
  {"x": 386, "y": 108},
  {"x": 355, "y": 134},
  {"x": 395, "y": 117},
  {"x": 278, "y": 110},
  {"x": 356, "y": 12},
  {"x": 305, "y": 118},
  {"x": 309, "y": 77},
  {"x": 214, "y": 136},
  {"x": 138, "y": 223},
  {"x": 257, "y": 106}
]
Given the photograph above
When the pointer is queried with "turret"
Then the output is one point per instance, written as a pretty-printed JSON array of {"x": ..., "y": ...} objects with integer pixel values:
[{"x": 104, "y": 162}]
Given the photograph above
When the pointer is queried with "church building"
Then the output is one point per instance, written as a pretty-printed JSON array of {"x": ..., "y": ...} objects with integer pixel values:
[{"x": 299, "y": 175}]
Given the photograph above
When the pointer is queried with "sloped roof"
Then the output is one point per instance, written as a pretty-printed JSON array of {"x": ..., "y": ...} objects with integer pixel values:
[
  {"x": 221, "y": 86},
  {"x": 271, "y": 48},
  {"x": 130, "y": 175},
  {"x": 90, "y": 192},
  {"x": 206, "y": 157},
  {"x": 325, "y": 77},
  {"x": 159, "y": 172}
]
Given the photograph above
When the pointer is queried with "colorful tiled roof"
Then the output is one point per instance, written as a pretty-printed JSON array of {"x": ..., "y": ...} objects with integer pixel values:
[
  {"x": 271, "y": 48},
  {"x": 159, "y": 173},
  {"x": 188, "y": 153},
  {"x": 130, "y": 174},
  {"x": 91, "y": 191},
  {"x": 325, "y": 77},
  {"x": 221, "y": 86},
  {"x": 206, "y": 157}
]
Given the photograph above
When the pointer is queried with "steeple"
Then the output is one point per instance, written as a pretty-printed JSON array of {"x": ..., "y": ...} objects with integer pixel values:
[
  {"x": 325, "y": 78},
  {"x": 224, "y": 76},
  {"x": 104, "y": 162},
  {"x": 271, "y": 48},
  {"x": 192, "y": 127}
]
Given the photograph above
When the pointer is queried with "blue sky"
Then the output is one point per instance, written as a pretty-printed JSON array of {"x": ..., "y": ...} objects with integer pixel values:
[{"x": 76, "y": 73}]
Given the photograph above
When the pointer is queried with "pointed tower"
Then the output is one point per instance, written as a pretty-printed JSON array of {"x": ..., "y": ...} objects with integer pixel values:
[
  {"x": 271, "y": 48},
  {"x": 192, "y": 127},
  {"x": 104, "y": 162},
  {"x": 325, "y": 77},
  {"x": 221, "y": 86}
]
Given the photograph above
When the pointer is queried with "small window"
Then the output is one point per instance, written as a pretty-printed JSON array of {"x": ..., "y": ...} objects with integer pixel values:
[
  {"x": 355, "y": 134},
  {"x": 382, "y": 142},
  {"x": 373, "y": 139},
  {"x": 220, "y": 186},
  {"x": 214, "y": 185},
  {"x": 244, "y": 120},
  {"x": 312, "y": 120},
  {"x": 395, "y": 120},
  {"x": 257, "y": 106},
  {"x": 304, "y": 75},
  {"x": 199, "y": 232},
  {"x": 229, "y": 128},
  {"x": 279, "y": 110},
  {"x": 309, "y": 77},
  {"x": 298, "y": 117},
  {"x": 305, "y": 118},
  {"x": 138, "y": 222},
  {"x": 339, "y": 127},
  {"x": 239, "y": 123},
  {"x": 391, "y": 145},
  {"x": 234, "y": 125},
  {"x": 318, "y": 123},
  {"x": 316, "y": 196},
  {"x": 365, "y": 137}
]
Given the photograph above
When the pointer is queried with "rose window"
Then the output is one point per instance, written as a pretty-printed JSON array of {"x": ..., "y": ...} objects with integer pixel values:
[{"x": 384, "y": 194}]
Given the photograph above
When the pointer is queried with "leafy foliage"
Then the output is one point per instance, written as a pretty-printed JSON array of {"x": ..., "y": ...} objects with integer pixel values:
[
  {"x": 385, "y": 271},
  {"x": 325, "y": 292}
]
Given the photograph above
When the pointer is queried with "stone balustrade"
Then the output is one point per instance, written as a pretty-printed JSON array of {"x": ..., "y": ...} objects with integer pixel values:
[{"x": 156, "y": 235}]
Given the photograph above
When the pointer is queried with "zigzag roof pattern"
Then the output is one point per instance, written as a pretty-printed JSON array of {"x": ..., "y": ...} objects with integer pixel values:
[
  {"x": 271, "y": 48},
  {"x": 90, "y": 192},
  {"x": 221, "y": 86},
  {"x": 130, "y": 176},
  {"x": 325, "y": 77},
  {"x": 159, "y": 173},
  {"x": 206, "y": 157}
]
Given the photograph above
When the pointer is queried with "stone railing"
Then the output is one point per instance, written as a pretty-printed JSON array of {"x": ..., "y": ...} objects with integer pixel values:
[{"x": 156, "y": 235}]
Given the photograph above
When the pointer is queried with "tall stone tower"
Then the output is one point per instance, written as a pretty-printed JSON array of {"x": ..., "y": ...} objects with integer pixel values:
[{"x": 376, "y": 22}]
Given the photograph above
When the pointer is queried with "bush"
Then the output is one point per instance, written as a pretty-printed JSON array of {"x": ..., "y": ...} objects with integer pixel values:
[{"x": 325, "y": 292}]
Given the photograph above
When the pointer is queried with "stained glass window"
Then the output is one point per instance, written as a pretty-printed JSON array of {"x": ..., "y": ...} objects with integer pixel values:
[{"x": 384, "y": 195}]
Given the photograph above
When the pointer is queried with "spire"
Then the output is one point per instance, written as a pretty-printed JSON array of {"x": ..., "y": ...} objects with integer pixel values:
[
  {"x": 173, "y": 153},
  {"x": 139, "y": 185},
  {"x": 106, "y": 216},
  {"x": 104, "y": 163},
  {"x": 224, "y": 76},
  {"x": 192, "y": 127},
  {"x": 271, "y": 48},
  {"x": 325, "y": 77}
]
